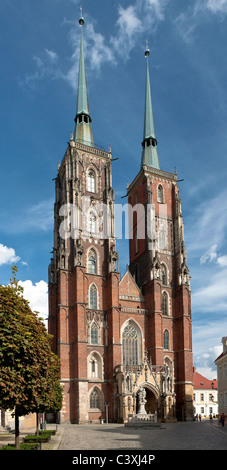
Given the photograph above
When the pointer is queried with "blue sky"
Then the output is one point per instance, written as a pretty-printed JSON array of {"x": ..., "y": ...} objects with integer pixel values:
[{"x": 188, "y": 69}]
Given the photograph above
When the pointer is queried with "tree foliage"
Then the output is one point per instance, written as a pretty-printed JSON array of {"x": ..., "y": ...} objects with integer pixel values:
[{"x": 29, "y": 371}]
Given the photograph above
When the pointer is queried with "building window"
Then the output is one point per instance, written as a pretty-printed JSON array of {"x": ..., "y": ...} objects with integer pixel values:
[
  {"x": 92, "y": 262},
  {"x": 166, "y": 339},
  {"x": 91, "y": 181},
  {"x": 163, "y": 276},
  {"x": 94, "y": 333},
  {"x": 164, "y": 303},
  {"x": 162, "y": 239},
  {"x": 94, "y": 399},
  {"x": 93, "y": 297},
  {"x": 160, "y": 194},
  {"x": 201, "y": 396},
  {"x": 92, "y": 222},
  {"x": 130, "y": 345}
]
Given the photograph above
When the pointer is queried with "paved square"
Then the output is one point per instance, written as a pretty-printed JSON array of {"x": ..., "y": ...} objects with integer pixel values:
[{"x": 171, "y": 436}]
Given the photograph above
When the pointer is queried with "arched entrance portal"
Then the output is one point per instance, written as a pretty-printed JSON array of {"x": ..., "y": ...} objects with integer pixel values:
[{"x": 151, "y": 398}]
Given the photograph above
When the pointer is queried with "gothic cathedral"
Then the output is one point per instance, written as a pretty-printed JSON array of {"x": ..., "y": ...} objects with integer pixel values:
[{"x": 119, "y": 339}]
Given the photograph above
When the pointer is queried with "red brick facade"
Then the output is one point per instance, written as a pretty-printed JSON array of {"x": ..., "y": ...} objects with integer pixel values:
[{"x": 93, "y": 314}]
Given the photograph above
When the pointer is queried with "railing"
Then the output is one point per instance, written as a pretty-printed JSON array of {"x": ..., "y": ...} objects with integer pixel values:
[
  {"x": 142, "y": 311},
  {"x": 97, "y": 151}
]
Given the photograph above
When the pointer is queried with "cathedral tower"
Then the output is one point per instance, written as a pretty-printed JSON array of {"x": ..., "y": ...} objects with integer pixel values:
[
  {"x": 83, "y": 278},
  {"x": 158, "y": 263}
]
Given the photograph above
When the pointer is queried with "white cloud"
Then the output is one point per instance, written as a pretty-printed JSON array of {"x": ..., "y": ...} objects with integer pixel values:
[
  {"x": 37, "y": 295},
  {"x": 136, "y": 20},
  {"x": 207, "y": 346},
  {"x": 211, "y": 297},
  {"x": 222, "y": 260},
  {"x": 188, "y": 21},
  {"x": 217, "y": 6},
  {"x": 128, "y": 26},
  {"x": 207, "y": 218},
  {"x": 210, "y": 255},
  {"x": 38, "y": 217},
  {"x": 7, "y": 255},
  {"x": 52, "y": 55}
]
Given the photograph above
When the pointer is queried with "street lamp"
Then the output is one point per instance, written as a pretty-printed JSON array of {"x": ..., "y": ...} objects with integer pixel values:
[{"x": 106, "y": 405}]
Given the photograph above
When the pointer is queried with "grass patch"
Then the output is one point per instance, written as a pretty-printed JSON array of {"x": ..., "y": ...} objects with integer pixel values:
[
  {"x": 23, "y": 446},
  {"x": 41, "y": 438}
]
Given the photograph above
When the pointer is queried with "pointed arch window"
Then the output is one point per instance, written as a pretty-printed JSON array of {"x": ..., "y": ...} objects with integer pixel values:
[
  {"x": 162, "y": 239},
  {"x": 91, "y": 182},
  {"x": 164, "y": 303},
  {"x": 163, "y": 275},
  {"x": 94, "y": 399},
  {"x": 94, "y": 333},
  {"x": 92, "y": 262},
  {"x": 166, "y": 339},
  {"x": 93, "y": 297},
  {"x": 160, "y": 193},
  {"x": 130, "y": 345},
  {"x": 92, "y": 223}
]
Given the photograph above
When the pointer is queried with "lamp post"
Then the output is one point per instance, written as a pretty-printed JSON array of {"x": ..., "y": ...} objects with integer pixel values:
[{"x": 106, "y": 405}]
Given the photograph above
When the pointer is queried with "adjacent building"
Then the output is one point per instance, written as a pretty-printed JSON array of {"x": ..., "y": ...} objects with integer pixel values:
[
  {"x": 205, "y": 397},
  {"x": 221, "y": 363},
  {"x": 116, "y": 337}
]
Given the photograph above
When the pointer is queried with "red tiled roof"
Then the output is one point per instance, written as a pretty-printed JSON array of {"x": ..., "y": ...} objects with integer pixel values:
[
  {"x": 201, "y": 382},
  {"x": 222, "y": 354}
]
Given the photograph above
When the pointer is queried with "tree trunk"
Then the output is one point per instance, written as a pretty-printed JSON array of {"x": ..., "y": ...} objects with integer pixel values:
[
  {"x": 17, "y": 430},
  {"x": 37, "y": 424}
]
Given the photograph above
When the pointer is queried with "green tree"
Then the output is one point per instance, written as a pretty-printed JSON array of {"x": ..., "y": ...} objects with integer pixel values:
[{"x": 26, "y": 360}]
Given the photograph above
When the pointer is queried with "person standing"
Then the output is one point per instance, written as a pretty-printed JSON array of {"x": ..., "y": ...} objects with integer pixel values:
[{"x": 222, "y": 419}]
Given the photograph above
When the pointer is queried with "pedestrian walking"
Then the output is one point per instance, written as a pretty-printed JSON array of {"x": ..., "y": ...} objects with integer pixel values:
[
  {"x": 211, "y": 418},
  {"x": 200, "y": 418},
  {"x": 197, "y": 417},
  {"x": 222, "y": 419}
]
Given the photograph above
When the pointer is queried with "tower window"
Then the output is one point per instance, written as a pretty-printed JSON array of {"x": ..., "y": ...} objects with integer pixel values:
[
  {"x": 162, "y": 239},
  {"x": 164, "y": 303},
  {"x": 94, "y": 399},
  {"x": 166, "y": 339},
  {"x": 94, "y": 333},
  {"x": 130, "y": 345},
  {"x": 92, "y": 262},
  {"x": 92, "y": 221},
  {"x": 163, "y": 275},
  {"x": 160, "y": 194},
  {"x": 91, "y": 181},
  {"x": 93, "y": 297}
]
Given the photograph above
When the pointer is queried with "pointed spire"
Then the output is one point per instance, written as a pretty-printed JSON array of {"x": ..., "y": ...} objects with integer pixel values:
[
  {"x": 149, "y": 144},
  {"x": 83, "y": 130}
]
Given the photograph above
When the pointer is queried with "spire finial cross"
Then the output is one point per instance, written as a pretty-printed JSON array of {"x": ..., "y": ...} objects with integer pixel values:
[
  {"x": 147, "y": 51},
  {"x": 81, "y": 20}
]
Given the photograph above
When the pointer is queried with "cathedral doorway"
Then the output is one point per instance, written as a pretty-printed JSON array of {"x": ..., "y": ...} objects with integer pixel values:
[{"x": 151, "y": 405}]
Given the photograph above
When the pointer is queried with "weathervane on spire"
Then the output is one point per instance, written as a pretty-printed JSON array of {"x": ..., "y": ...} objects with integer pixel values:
[
  {"x": 147, "y": 51},
  {"x": 81, "y": 20}
]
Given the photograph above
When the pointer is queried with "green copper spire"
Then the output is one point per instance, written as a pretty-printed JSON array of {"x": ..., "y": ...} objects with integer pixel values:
[
  {"x": 149, "y": 144},
  {"x": 83, "y": 131}
]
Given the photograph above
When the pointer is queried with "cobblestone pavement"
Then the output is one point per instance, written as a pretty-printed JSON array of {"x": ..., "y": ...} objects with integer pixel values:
[{"x": 171, "y": 436}]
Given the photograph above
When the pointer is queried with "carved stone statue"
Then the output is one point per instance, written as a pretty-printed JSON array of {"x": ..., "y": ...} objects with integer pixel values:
[{"x": 142, "y": 401}]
